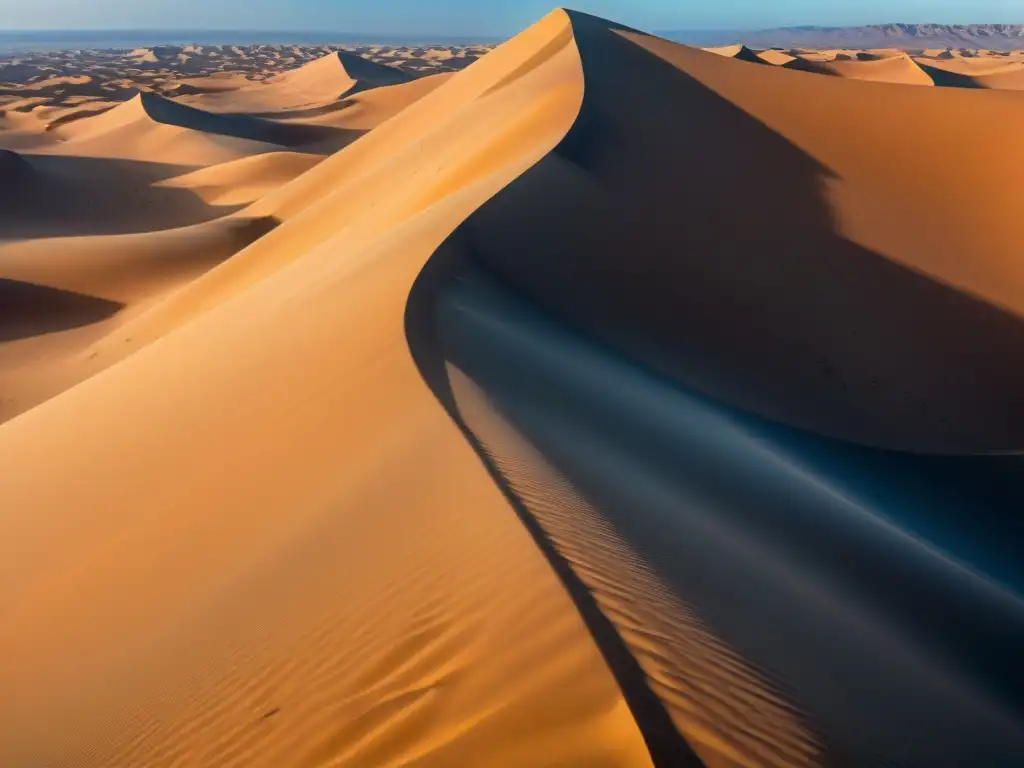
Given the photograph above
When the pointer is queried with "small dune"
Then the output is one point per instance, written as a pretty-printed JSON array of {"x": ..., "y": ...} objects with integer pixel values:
[
  {"x": 245, "y": 180},
  {"x": 975, "y": 73},
  {"x": 890, "y": 69}
]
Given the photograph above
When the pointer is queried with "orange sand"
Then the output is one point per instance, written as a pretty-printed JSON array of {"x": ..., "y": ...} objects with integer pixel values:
[{"x": 253, "y": 512}]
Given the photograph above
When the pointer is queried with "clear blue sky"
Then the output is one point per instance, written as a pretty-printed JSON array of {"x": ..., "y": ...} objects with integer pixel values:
[{"x": 485, "y": 17}]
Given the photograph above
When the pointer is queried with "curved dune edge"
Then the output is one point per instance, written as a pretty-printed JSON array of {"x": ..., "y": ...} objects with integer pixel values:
[
  {"x": 150, "y": 125},
  {"x": 317, "y": 84},
  {"x": 243, "y": 181},
  {"x": 670, "y": 509},
  {"x": 134, "y": 272},
  {"x": 970, "y": 73},
  {"x": 759, "y": 256},
  {"x": 900, "y": 69},
  {"x": 112, "y": 226},
  {"x": 266, "y": 542},
  {"x": 728, "y": 712}
]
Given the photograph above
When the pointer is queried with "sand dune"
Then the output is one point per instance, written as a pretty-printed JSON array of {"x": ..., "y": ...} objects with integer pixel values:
[
  {"x": 741, "y": 52},
  {"x": 150, "y": 126},
  {"x": 975, "y": 73},
  {"x": 313, "y": 85},
  {"x": 892, "y": 69},
  {"x": 153, "y": 123},
  {"x": 47, "y": 195},
  {"x": 512, "y": 416},
  {"x": 243, "y": 181},
  {"x": 368, "y": 109},
  {"x": 463, "y": 651},
  {"x": 777, "y": 58},
  {"x": 559, "y": 419},
  {"x": 886, "y": 212},
  {"x": 122, "y": 275}
]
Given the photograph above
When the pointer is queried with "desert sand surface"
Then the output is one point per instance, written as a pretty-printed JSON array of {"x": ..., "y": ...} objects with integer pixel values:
[{"x": 590, "y": 400}]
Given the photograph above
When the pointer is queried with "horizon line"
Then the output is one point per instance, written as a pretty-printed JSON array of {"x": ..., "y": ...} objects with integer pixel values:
[{"x": 308, "y": 30}]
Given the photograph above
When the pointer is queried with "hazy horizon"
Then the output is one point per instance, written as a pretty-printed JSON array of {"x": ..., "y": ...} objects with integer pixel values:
[{"x": 466, "y": 18}]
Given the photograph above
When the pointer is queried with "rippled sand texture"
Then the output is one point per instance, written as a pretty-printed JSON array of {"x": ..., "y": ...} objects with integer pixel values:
[{"x": 601, "y": 403}]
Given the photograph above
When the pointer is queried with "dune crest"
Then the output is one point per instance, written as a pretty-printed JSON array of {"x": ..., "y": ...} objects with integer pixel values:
[
  {"x": 478, "y": 657},
  {"x": 318, "y": 84},
  {"x": 648, "y": 484},
  {"x": 339, "y": 72}
]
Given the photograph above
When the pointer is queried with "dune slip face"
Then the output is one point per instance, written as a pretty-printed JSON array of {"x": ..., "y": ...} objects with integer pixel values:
[
  {"x": 796, "y": 592},
  {"x": 586, "y": 400}
]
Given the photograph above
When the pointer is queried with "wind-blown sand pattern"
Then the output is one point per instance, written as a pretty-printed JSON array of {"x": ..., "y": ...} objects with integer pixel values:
[{"x": 599, "y": 403}]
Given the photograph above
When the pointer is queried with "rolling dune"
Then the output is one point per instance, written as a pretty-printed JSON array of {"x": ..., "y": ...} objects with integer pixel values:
[
  {"x": 892, "y": 69},
  {"x": 243, "y": 181},
  {"x": 151, "y": 126},
  {"x": 319, "y": 83},
  {"x": 598, "y": 404},
  {"x": 975, "y": 73}
]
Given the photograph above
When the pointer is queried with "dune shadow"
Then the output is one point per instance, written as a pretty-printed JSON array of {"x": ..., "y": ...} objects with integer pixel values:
[
  {"x": 64, "y": 195},
  {"x": 878, "y": 592},
  {"x": 702, "y": 242},
  {"x": 947, "y": 79},
  {"x": 708, "y": 366},
  {"x": 290, "y": 135},
  {"x": 664, "y": 742},
  {"x": 236, "y": 125},
  {"x": 28, "y": 310}
]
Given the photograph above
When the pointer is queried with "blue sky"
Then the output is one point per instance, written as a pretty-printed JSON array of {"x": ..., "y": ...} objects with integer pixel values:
[{"x": 485, "y": 17}]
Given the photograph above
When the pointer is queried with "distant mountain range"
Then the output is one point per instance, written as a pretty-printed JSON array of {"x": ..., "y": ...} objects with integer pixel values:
[{"x": 906, "y": 36}]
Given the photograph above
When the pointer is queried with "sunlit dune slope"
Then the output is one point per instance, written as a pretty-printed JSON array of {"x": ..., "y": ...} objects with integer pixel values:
[
  {"x": 975, "y": 73},
  {"x": 776, "y": 58},
  {"x": 61, "y": 193},
  {"x": 890, "y": 69},
  {"x": 152, "y": 127},
  {"x": 740, "y": 52},
  {"x": 264, "y": 539},
  {"x": 367, "y": 109},
  {"x": 75, "y": 291},
  {"x": 245, "y": 180},
  {"x": 321, "y": 82}
]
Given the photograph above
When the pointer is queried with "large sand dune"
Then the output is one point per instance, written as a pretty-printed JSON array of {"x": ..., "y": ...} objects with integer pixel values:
[
  {"x": 600, "y": 404},
  {"x": 319, "y": 83}
]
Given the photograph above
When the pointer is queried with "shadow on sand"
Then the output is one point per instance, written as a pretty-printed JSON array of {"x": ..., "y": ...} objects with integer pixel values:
[
  {"x": 31, "y": 310},
  {"x": 602, "y": 297}
]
